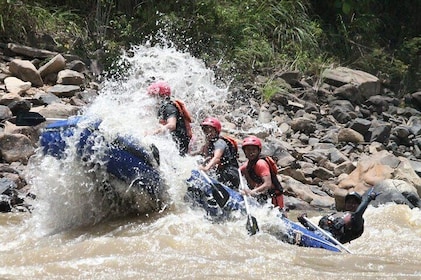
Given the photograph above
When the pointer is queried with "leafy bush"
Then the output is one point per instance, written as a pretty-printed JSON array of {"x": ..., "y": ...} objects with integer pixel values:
[
  {"x": 242, "y": 37},
  {"x": 23, "y": 23}
]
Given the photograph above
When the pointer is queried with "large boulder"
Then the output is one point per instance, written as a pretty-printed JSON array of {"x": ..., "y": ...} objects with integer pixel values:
[
  {"x": 26, "y": 71},
  {"x": 55, "y": 65},
  {"x": 397, "y": 191},
  {"x": 16, "y": 86},
  {"x": 366, "y": 84}
]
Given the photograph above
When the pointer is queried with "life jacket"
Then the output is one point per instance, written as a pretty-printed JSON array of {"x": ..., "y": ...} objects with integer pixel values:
[
  {"x": 278, "y": 190},
  {"x": 185, "y": 114},
  {"x": 338, "y": 224},
  {"x": 225, "y": 160},
  {"x": 232, "y": 145},
  {"x": 233, "y": 148}
]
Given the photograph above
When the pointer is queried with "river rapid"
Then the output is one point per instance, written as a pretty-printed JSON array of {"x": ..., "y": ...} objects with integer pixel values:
[{"x": 71, "y": 235}]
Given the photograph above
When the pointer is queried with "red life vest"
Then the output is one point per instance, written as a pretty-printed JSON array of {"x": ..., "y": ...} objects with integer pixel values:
[{"x": 277, "y": 191}]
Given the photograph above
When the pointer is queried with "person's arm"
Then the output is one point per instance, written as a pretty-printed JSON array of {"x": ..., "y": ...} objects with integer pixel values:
[
  {"x": 216, "y": 159},
  {"x": 168, "y": 114},
  {"x": 170, "y": 126},
  {"x": 367, "y": 198},
  {"x": 263, "y": 171},
  {"x": 265, "y": 186}
]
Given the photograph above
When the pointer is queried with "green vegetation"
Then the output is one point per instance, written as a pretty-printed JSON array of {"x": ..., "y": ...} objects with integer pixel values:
[
  {"x": 22, "y": 23},
  {"x": 272, "y": 87},
  {"x": 249, "y": 36}
]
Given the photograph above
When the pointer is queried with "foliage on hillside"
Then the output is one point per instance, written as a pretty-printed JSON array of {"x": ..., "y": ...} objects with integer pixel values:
[{"x": 242, "y": 37}]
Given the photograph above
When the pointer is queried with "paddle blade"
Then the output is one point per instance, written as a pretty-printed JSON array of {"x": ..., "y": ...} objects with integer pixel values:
[
  {"x": 251, "y": 225},
  {"x": 220, "y": 194},
  {"x": 29, "y": 119}
]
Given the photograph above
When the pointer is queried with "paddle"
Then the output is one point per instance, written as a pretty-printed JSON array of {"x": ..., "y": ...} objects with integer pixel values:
[
  {"x": 220, "y": 194},
  {"x": 330, "y": 237},
  {"x": 31, "y": 119},
  {"x": 251, "y": 224}
]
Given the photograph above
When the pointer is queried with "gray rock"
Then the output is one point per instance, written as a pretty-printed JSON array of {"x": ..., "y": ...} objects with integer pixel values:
[
  {"x": 26, "y": 71},
  {"x": 53, "y": 66},
  {"x": 397, "y": 191},
  {"x": 70, "y": 77},
  {"x": 15, "y": 147},
  {"x": 367, "y": 84},
  {"x": 29, "y": 51},
  {"x": 64, "y": 90}
]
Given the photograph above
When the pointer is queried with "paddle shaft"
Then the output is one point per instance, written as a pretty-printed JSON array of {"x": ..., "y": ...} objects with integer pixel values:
[
  {"x": 331, "y": 238},
  {"x": 246, "y": 203},
  {"x": 54, "y": 119},
  {"x": 250, "y": 219}
]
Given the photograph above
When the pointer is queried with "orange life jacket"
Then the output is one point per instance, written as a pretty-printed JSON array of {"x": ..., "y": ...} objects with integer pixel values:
[
  {"x": 232, "y": 147},
  {"x": 185, "y": 114}
]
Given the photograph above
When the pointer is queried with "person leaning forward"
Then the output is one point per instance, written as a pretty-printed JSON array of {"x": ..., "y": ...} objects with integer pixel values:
[
  {"x": 217, "y": 155},
  {"x": 257, "y": 171},
  {"x": 169, "y": 116},
  {"x": 348, "y": 225}
]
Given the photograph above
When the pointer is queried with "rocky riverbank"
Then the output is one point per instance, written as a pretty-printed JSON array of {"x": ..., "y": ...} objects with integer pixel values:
[
  {"x": 52, "y": 84},
  {"x": 342, "y": 131}
]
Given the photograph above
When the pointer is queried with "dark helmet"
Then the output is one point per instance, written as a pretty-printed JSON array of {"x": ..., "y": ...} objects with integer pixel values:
[{"x": 354, "y": 195}]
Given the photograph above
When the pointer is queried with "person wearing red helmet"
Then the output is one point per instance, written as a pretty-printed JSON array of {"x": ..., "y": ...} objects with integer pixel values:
[
  {"x": 169, "y": 116},
  {"x": 217, "y": 155},
  {"x": 262, "y": 182}
]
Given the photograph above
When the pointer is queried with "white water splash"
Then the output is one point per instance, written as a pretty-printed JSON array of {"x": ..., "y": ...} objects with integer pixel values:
[{"x": 68, "y": 193}]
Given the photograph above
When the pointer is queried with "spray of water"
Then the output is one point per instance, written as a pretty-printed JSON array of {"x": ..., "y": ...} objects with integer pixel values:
[{"x": 69, "y": 193}]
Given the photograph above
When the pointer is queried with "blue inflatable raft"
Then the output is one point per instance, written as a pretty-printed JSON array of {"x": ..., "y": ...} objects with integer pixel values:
[
  {"x": 221, "y": 202},
  {"x": 123, "y": 158}
]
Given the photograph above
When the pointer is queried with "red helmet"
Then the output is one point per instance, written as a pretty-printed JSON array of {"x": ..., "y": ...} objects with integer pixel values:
[
  {"x": 252, "y": 141},
  {"x": 161, "y": 88},
  {"x": 213, "y": 122}
]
